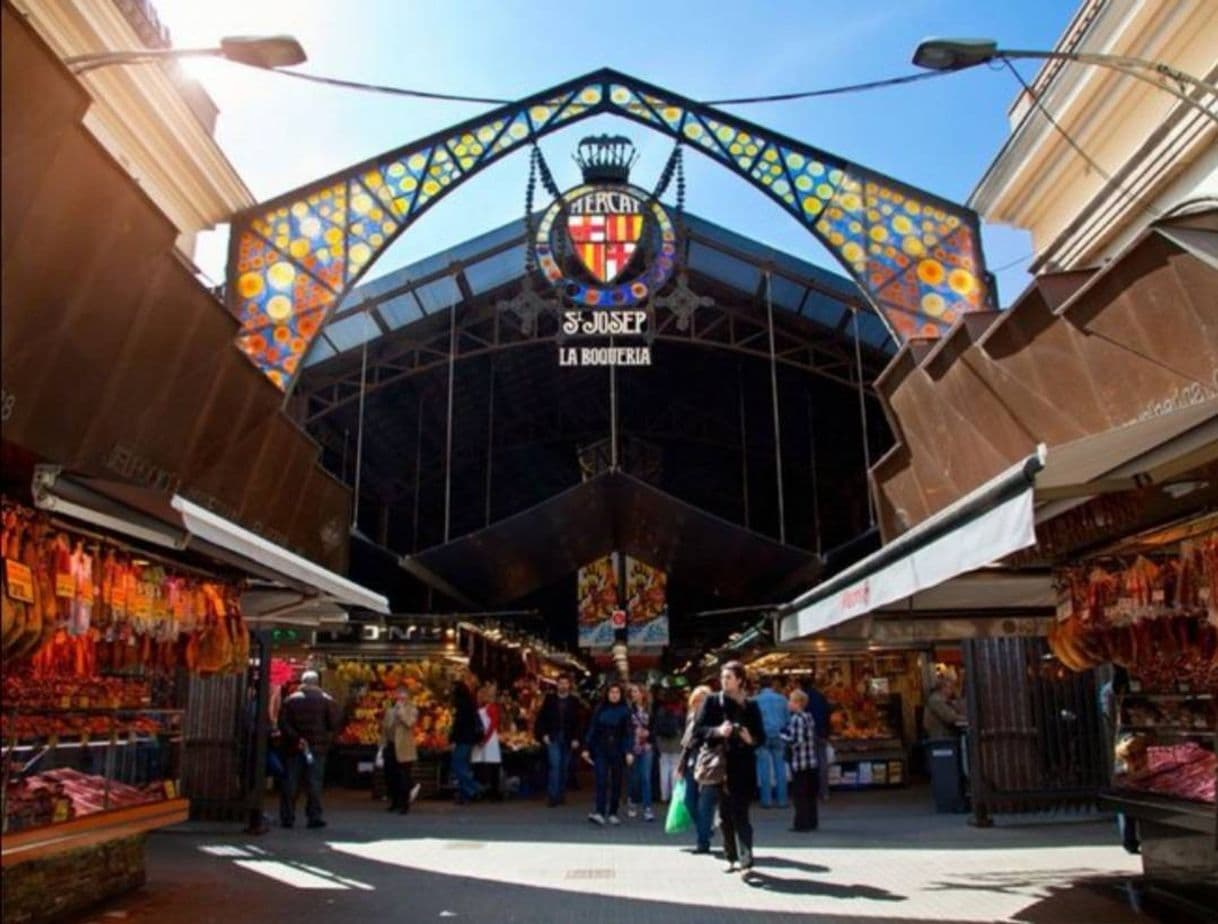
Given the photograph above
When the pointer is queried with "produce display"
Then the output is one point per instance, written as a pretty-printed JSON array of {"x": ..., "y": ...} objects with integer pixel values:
[
  {"x": 26, "y": 727},
  {"x": 23, "y": 690},
  {"x": 1187, "y": 771},
  {"x": 1159, "y": 620},
  {"x": 73, "y": 606},
  {"x": 64, "y": 794},
  {"x": 429, "y": 683}
]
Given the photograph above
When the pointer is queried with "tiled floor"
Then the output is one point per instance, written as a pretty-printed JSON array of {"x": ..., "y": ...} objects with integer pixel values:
[{"x": 877, "y": 857}]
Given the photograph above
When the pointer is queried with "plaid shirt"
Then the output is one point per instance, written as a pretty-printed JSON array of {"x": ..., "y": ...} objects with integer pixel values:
[{"x": 800, "y": 734}]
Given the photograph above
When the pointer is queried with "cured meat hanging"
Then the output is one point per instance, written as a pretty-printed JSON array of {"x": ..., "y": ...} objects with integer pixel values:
[{"x": 89, "y": 607}]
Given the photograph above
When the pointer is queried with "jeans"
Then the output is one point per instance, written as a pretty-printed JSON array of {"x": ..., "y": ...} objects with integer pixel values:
[
  {"x": 737, "y": 828},
  {"x": 804, "y": 795},
  {"x": 668, "y": 767},
  {"x": 467, "y": 786},
  {"x": 772, "y": 765},
  {"x": 640, "y": 778},
  {"x": 559, "y": 753},
  {"x": 822, "y": 765},
  {"x": 704, "y": 817},
  {"x": 312, "y": 774},
  {"x": 608, "y": 782}
]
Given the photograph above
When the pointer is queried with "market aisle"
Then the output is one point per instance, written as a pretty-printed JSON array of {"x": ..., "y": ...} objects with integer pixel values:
[{"x": 875, "y": 859}]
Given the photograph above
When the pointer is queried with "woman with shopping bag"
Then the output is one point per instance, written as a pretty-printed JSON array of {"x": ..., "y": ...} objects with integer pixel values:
[{"x": 399, "y": 752}]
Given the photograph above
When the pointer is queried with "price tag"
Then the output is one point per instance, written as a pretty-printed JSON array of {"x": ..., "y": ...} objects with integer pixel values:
[
  {"x": 19, "y": 580},
  {"x": 64, "y": 585},
  {"x": 65, "y": 702},
  {"x": 1158, "y": 596},
  {"x": 62, "y": 810},
  {"x": 171, "y": 789},
  {"x": 87, "y": 592}
]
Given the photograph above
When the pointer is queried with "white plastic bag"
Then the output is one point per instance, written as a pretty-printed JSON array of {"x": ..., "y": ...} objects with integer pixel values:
[
  {"x": 830, "y": 754},
  {"x": 379, "y": 761}
]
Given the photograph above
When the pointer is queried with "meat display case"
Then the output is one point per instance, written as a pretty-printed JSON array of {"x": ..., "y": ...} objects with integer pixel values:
[{"x": 74, "y": 777}]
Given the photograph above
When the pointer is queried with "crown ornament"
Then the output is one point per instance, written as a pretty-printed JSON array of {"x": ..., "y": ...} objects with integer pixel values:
[{"x": 606, "y": 158}]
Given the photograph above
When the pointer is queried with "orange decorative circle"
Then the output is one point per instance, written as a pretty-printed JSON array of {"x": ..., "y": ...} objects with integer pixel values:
[
  {"x": 931, "y": 272},
  {"x": 961, "y": 281}
]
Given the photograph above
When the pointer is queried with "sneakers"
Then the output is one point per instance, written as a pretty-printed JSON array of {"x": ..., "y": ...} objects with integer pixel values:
[
  {"x": 631, "y": 811},
  {"x": 597, "y": 818},
  {"x": 614, "y": 820},
  {"x": 414, "y": 792},
  {"x": 649, "y": 815}
]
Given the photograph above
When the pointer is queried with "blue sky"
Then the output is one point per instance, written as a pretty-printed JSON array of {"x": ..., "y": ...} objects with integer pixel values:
[{"x": 939, "y": 134}]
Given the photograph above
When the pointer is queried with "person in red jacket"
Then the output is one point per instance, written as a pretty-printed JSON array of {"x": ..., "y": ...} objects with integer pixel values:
[{"x": 488, "y": 756}]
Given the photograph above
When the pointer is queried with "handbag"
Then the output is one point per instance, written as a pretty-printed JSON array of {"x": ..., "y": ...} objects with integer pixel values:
[{"x": 710, "y": 766}]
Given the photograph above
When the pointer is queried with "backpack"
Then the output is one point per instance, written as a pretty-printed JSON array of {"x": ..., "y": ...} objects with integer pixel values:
[{"x": 666, "y": 724}]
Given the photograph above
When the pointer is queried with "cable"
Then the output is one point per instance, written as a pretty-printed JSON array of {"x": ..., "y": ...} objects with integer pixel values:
[
  {"x": 1015, "y": 262},
  {"x": 1148, "y": 209},
  {"x": 738, "y": 101},
  {"x": 829, "y": 91},
  {"x": 393, "y": 91}
]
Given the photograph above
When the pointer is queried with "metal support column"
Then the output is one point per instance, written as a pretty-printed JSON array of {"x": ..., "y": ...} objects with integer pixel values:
[
  {"x": 744, "y": 451},
  {"x": 858, "y": 371},
  {"x": 769, "y": 307},
  {"x": 359, "y": 434},
  {"x": 448, "y": 430},
  {"x": 812, "y": 472},
  {"x": 490, "y": 442},
  {"x": 418, "y": 475}
]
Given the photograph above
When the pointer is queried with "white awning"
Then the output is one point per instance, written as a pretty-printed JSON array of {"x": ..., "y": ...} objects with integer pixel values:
[
  {"x": 985, "y": 525},
  {"x": 173, "y": 522}
]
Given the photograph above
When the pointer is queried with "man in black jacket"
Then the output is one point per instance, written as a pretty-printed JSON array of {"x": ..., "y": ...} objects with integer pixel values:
[
  {"x": 308, "y": 720},
  {"x": 557, "y": 727},
  {"x": 466, "y": 732}
]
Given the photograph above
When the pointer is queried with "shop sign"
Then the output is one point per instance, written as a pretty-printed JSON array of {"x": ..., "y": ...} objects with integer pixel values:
[
  {"x": 607, "y": 247},
  {"x": 375, "y": 634}
]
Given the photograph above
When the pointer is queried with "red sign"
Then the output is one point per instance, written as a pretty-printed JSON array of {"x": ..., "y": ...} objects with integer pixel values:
[{"x": 619, "y": 619}]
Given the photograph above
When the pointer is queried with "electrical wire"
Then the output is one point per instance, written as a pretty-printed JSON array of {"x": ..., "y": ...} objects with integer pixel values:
[
  {"x": 736, "y": 101},
  {"x": 829, "y": 91},
  {"x": 1007, "y": 266}
]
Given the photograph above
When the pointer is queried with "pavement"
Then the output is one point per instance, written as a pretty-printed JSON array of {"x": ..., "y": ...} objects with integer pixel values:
[{"x": 877, "y": 857}]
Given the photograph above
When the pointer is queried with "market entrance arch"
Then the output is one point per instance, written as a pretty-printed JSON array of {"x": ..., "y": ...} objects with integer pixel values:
[{"x": 916, "y": 258}]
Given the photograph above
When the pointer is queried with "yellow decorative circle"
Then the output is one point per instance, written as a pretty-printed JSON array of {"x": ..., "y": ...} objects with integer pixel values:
[
  {"x": 812, "y": 206},
  {"x": 837, "y": 239},
  {"x": 620, "y": 95},
  {"x": 281, "y": 275},
  {"x": 279, "y": 308},
  {"x": 795, "y": 161},
  {"x": 401, "y": 206},
  {"x": 518, "y": 130},
  {"x": 835, "y": 176},
  {"x": 912, "y": 207},
  {"x": 725, "y": 133},
  {"x": 931, "y": 272},
  {"x": 961, "y": 281},
  {"x": 299, "y": 248},
  {"x": 825, "y": 191},
  {"x": 670, "y": 113},
  {"x": 816, "y": 168},
  {"x": 878, "y": 233},
  {"x": 803, "y": 182},
  {"x": 408, "y": 184},
  {"x": 540, "y": 113},
  {"x": 902, "y": 225},
  {"x": 770, "y": 154},
  {"x": 912, "y": 246},
  {"x": 590, "y": 95},
  {"x": 852, "y": 251},
  {"x": 360, "y": 253},
  {"x": 933, "y": 304},
  {"x": 250, "y": 285},
  {"x": 282, "y": 241},
  {"x": 333, "y": 236},
  {"x": 486, "y": 133},
  {"x": 850, "y": 202},
  {"x": 693, "y": 130},
  {"x": 375, "y": 240},
  {"x": 736, "y": 149},
  {"x": 417, "y": 162},
  {"x": 388, "y": 227},
  {"x": 299, "y": 209},
  {"x": 361, "y": 204},
  {"x": 430, "y": 188},
  {"x": 855, "y": 227},
  {"x": 750, "y": 150}
]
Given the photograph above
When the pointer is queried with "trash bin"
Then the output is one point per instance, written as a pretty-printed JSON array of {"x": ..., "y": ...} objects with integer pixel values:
[{"x": 943, "y": 758}]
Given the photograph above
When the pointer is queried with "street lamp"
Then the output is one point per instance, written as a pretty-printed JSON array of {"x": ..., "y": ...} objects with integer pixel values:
[
  {"x": 256, "y": 51},
  {"x": 940, "y": 54}
]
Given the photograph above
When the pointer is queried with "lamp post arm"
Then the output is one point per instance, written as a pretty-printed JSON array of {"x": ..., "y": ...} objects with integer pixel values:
[
  {"x": 82, "y": 63},
  {"x": 1119, "y": 61},
  {"x": 1135, "y": 68}
]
